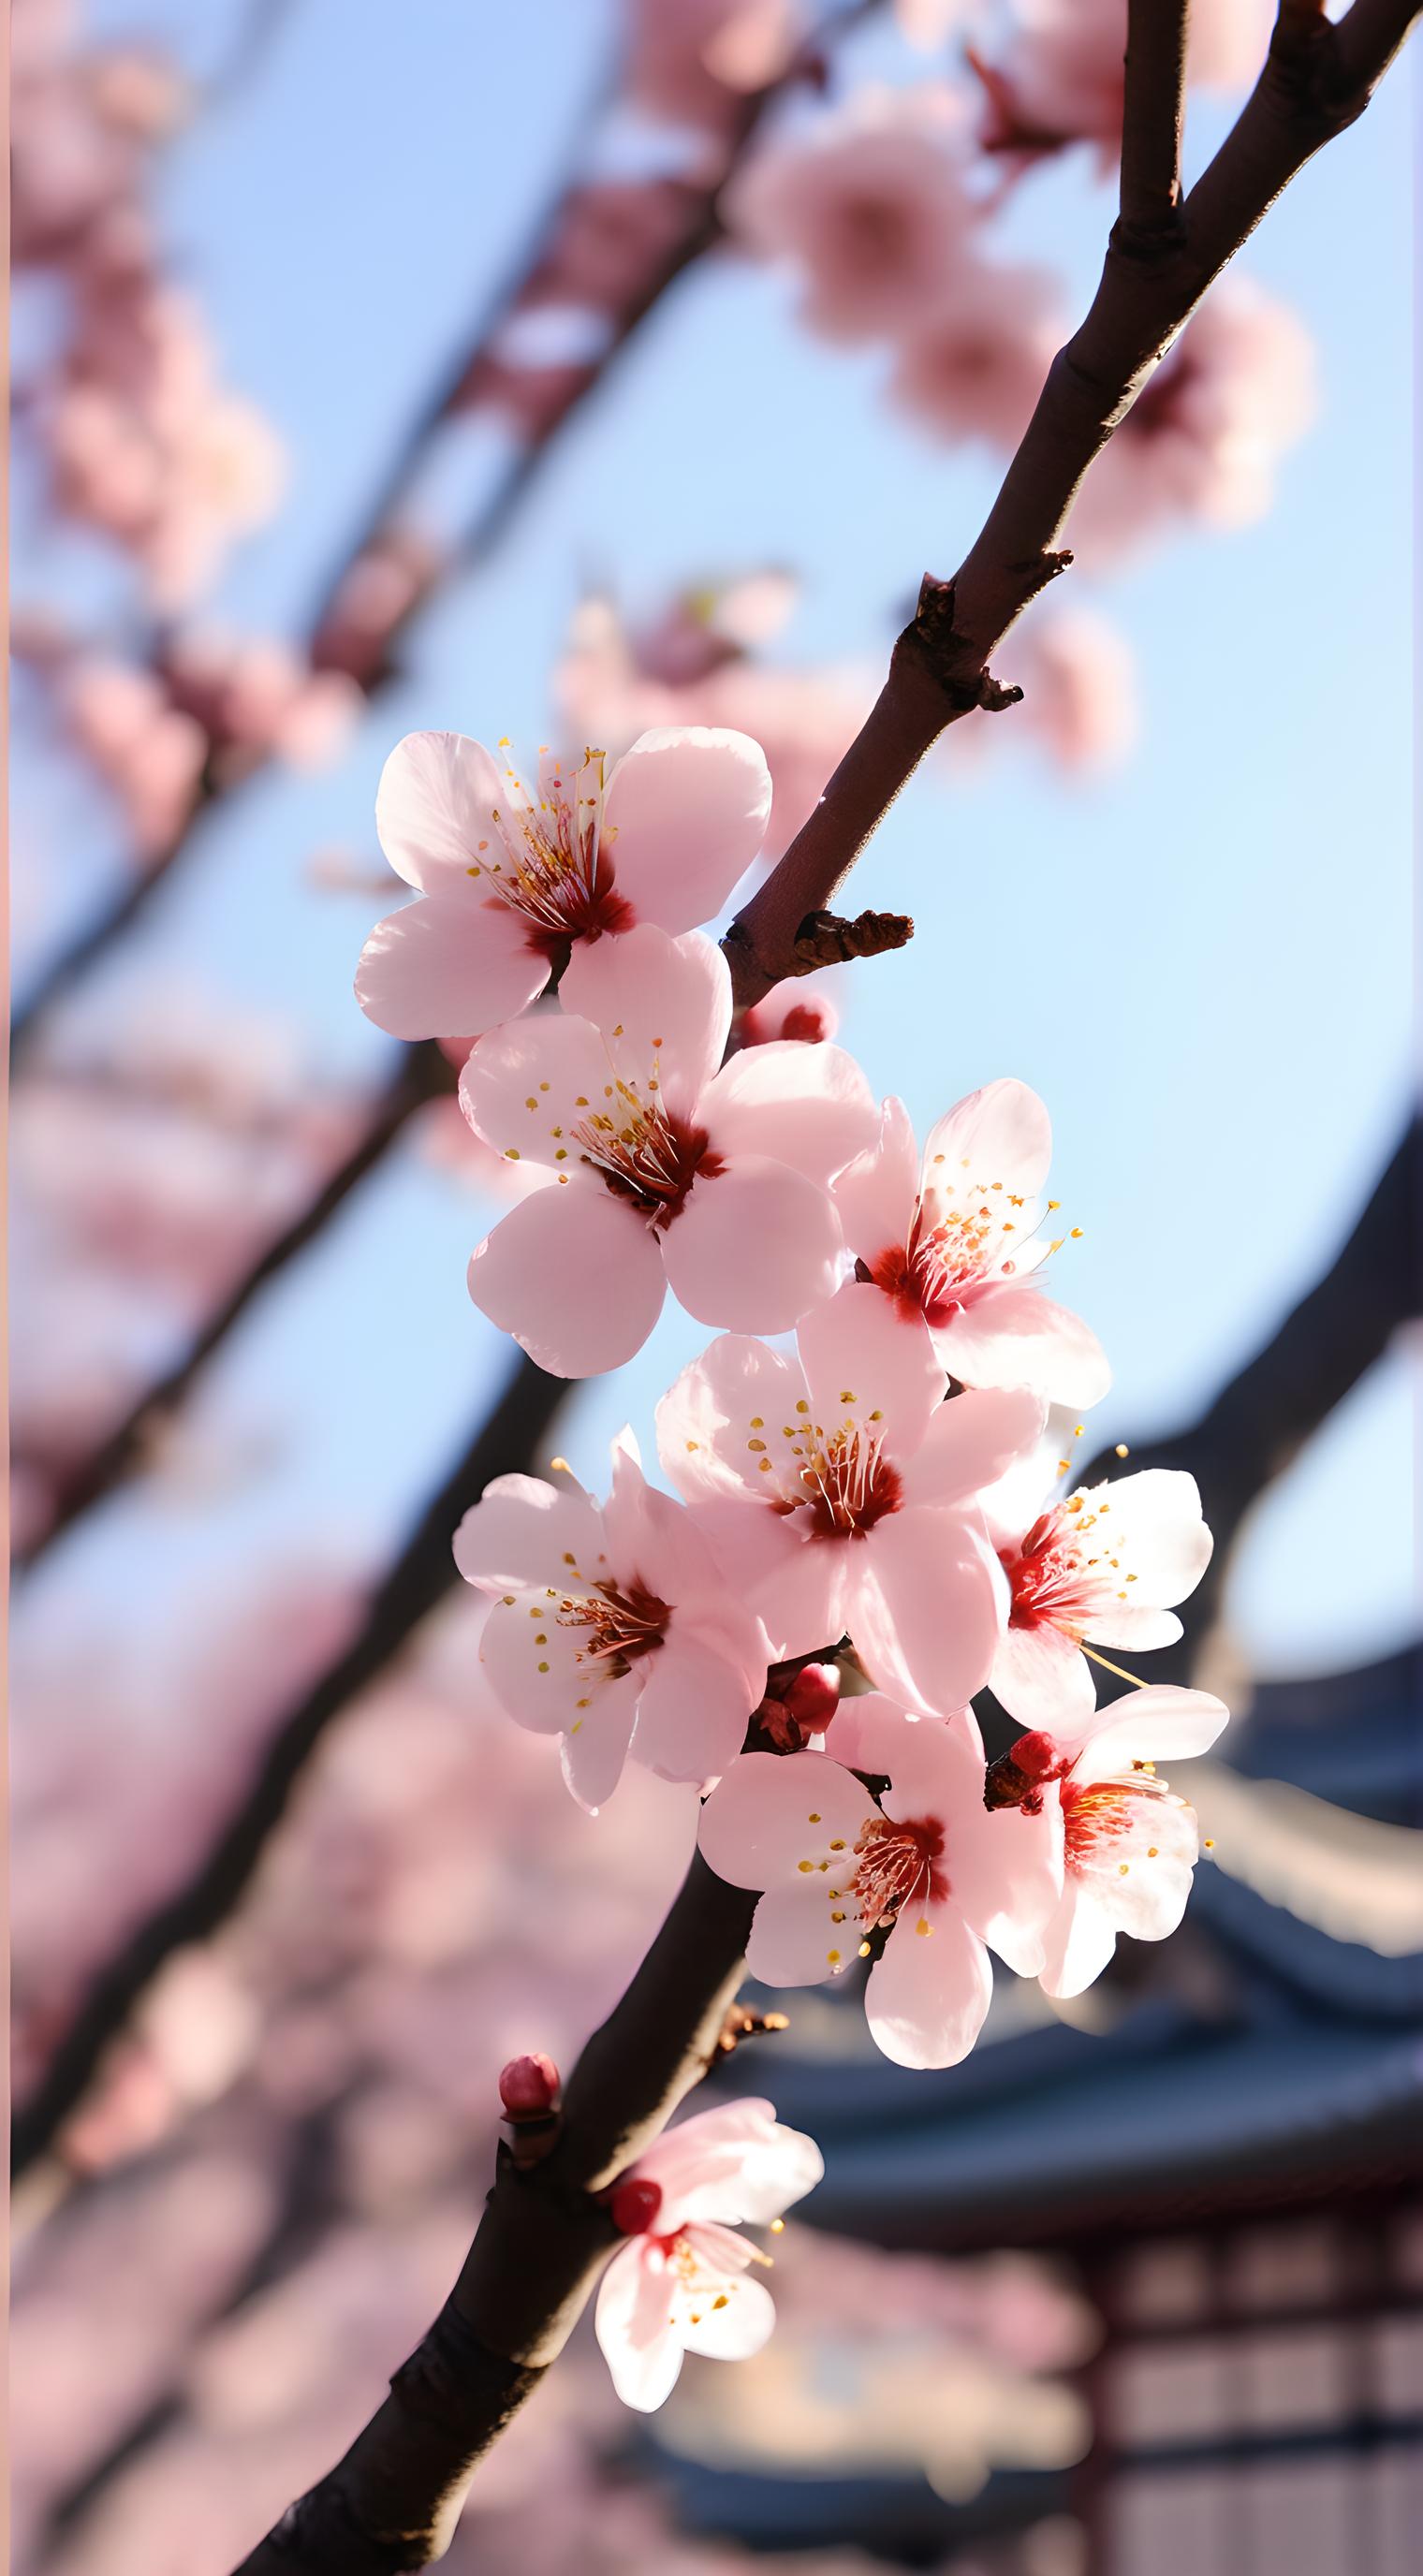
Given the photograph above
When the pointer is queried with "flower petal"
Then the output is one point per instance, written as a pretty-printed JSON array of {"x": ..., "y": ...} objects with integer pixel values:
[
  {"x": 793, "y": 1940},
  {"x": 536, "y": 1659},
  {"x": 595, "y": 1749},
  {"x": 1163, "y": 1723},
  {"x": 735, "y": 2321},
  {"x": 633, "y": 2324},
  {"x": 1157, "y": 1532},
  {"x": 878, "y": 1192},
  {"x": 686, "y": 813},
  {"x": 1012, "y": 1336},
  {"x": 971, "y": 1441},
  {"x": 774, "y": 1812},
  {"x": 1000, "y": 1134},
  {"x": 1078, "y": 1943},
  {"x": 692, "y": 1716},
  {"x": 730, "y": 2163},
  {"x": 927, "y": 1998},
  {"x": 754, "y": 1247},
  {"x": 662, "y": 1007},
  {"x": 446, "y": 965},
  {"x": 434, "y": 810},
  {"x": 527, "y": 1087},
  {"x": 522, "y": 1531},
  {"x": 739, "y": 1390},
  {"x": 807, "y": 1106},
  {"x": 1042, "y": 1679},
  {"x": 575, "y": 1276},
  {"x": 859, "y": 1361},
  {"x": 925, "y": 1600}
]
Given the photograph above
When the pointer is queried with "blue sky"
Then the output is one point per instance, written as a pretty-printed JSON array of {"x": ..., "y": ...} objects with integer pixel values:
[{"x": 1202, "y": 963}]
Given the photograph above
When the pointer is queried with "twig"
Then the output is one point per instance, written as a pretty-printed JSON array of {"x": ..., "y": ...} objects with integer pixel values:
[
  {"x": 421, "y": 1575},
  {"x": 1153, "y": 121},
  {"x": 1317, "y": 80}
]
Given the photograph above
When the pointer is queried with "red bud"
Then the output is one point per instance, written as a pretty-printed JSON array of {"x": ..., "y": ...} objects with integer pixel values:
[
  {"x": 635, "y": 2204},
  {"x": 528, "y": 2087}
]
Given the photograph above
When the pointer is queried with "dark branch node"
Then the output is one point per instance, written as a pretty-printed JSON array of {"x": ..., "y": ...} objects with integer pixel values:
[{"x": 827, "y": 939}]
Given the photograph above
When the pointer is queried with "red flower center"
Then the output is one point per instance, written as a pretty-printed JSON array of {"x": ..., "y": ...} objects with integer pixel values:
[
  {"x": 644, "y": 1154},
  {"x": 1064, "y": 1569},
  {"x": 947, "y": 1256},
  {"x": 620, "y": 1625},
  {"x": 897, "y": 1862},
  {"x": 846, "y": 1482}
]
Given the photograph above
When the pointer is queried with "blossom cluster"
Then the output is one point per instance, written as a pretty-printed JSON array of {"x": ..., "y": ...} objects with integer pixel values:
[{"x": 875, "y": 1500}]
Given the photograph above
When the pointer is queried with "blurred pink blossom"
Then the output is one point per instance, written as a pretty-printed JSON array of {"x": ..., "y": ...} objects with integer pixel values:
[
  {"x": 1059, "y": 79},
  {"x": 256, "y": 693},
  {"x": 689, "y": 60},
  {"x": 974, "y": 367},
  {"x": 616, "y": 681},
  {"x": 872, "y": 211},
  {"x": 802, "y": 1008},
  {"x": 145, "y": 443},
  {"x": 1204, "y": 440},
  {"x": 1079, "y": 682},
  {"x": 147, "y": 751}
]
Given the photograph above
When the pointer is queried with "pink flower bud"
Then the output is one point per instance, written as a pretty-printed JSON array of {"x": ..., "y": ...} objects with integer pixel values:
[
  {"x": 529, "y": 2086},
  {"x": 635, "y": 2205},
  {"x": 800, "y": 1707},
  {"x": 1037, "y": 1756}
]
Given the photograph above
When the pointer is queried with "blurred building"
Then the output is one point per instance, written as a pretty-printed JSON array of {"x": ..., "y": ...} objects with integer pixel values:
[{"x": 1228, "y": 2164}]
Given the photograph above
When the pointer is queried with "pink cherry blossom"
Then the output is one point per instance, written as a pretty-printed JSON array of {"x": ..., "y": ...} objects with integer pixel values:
[
  {"x": 1104, "y": 1563},
  {"x": 974, "y": 366},
  {"x": 689, "y": 60},
  {"x": 674, "y": 1174},
  {"x": 609, "y": 1627},
  {"x": 873, "y": 211},
  {"x": 680, "y": 2283},
  {"x": 839, "y": 1491},
  {"x": 955, "y": 1240},
  {"x": 1078, "y": 676},
  {"x": 802, "y": 1008},
  {"x": 1203, "y": 442},
  {"x": 692, "y": 667},
  {"x": 1060, "y": 78},
  {"x": 1129, "y": 1843},
  {"x": 508, "y": 881},
  {"x": 929, "y": 1861}
]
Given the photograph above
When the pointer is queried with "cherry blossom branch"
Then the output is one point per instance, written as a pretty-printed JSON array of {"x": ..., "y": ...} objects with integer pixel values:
[
  {"x": 422, "y": 1574},
  {"x": 392, "y": 2503},
  {"x": 424, "y": 1073},
  {"x": 364, "y": 645},
  {"x": 1153, "y": 120},
  {"x": 1317, "y": 80}
]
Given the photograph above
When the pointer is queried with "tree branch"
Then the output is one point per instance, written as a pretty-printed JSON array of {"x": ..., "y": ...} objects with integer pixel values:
[
  {"x": 1317, "y": 80},
  {"x": 421, "y": 1575},
  {"x": 392, "y": 2503},
  {"x": 366, "y": 650},
  {"x": 1153, "y": 121},
  {"x": 423, "y": 1074}
]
